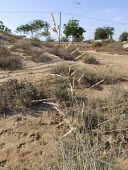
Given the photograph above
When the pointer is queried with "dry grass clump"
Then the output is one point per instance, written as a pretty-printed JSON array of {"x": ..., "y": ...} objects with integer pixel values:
[
  {"x": 62, "y": 91},
  {"x": 48, "y": 44},
  {"x": 86, "y": 78},
  {"x": 66, "y": 54},
  {"x": 97, "y": 44},
  {"x": 14, "y": 95},
  {"x": 36, "y": 44},
  {"x": 100, "y": 140},
  {"x": 112, "y": 47},
  {"x": 22, "y": 44},
  {"x": 89, "y": 59},
  {"x": 13, "y": 38},
  {"x": 45, "y": 57},
  {"x": 8, "y": 61},
  {"x": 110, "y": 75},
  {"x": 63, "y": 70}
]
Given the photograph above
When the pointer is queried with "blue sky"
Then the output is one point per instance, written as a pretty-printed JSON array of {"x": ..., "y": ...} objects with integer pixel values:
[{"x": 91, "y": 13}]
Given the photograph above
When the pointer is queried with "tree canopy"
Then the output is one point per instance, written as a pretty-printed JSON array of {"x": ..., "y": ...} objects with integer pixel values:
[
  {"x": 104, "y": 33},
  {"x": 124, "y": 36},
  {"x": 73, "y": 29},
  {"x": 33, "y": 27},
  {"x": 3, "y": 28}
]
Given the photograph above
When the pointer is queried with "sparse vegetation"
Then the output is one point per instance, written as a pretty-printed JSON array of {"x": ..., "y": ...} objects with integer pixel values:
[
  {"x": 16, "y": 95},
  {"x": 80, "y": 110},
  {"x": 89, "y": 59},
  {"x": 9, "y": 61},
  {"x": 45, "y": 58},
  {"x": 22, "y": 44},
  {"x": 66, "y": 54},
  {"x": 112, "y": 47}
]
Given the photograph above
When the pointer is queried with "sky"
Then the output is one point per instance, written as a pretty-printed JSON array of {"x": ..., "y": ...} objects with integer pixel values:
[{"x": 90, "y": 13}]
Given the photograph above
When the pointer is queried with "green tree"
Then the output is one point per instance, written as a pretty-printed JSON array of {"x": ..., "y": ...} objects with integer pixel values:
[
  {"x": 124, "y": 36},
  {"x": 73, "y": 29},
  {"x": 45, "y": 33},
  {"x": 104, "y": 33},
  {"x": 3, "y": 28},
  {"x": 33, "y": 27}
]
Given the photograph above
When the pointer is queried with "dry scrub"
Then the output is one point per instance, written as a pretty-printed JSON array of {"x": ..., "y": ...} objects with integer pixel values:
[
  {"x": 16, "y": 95},
  {"x": 9, "y": 61}
]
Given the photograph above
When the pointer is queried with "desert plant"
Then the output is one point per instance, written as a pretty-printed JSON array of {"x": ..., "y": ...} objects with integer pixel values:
[
  {"x": 22, "y": 44},
  {"x": 66, "y": 54},
  {"x": 16, "y": 95},
  {"x": 100, "y": 137},
  {"x": 41, "y": 58},
  {"x": 8, "y": 61},
  {"x": 89, "y": 59}
]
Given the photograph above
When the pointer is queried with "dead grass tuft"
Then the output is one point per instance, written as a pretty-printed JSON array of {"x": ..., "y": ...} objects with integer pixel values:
[
  {"x": 8, "y": 61},
  {"x": 89, "y": 59},
  {"x": 45, "y": 57}
]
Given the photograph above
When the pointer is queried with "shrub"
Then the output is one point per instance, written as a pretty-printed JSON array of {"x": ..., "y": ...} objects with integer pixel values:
[
  {"x": 16, "y": 95},
  {"x": 89, "y": 59},
  {"x": 63, "y": 70},
  {"x": 66, "y": 54},
  {"x": 9, "y": 62},
  {"x": 22, "y": 44},
  {"x": 13, "y": 38},
  {"x": 41, "y": 58},
  {"x": 108, "y": 41},
  {"x": 97, "y": 44},
  {"x": 113, "y": 47},
  {"x": 62, "y": 92},
  {"x": 101, "y": 133}
]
